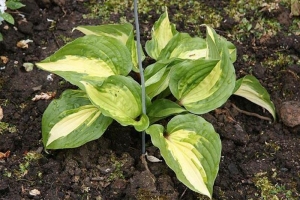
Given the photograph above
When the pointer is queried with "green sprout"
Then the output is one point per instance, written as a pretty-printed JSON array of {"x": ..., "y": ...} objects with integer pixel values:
[
  {"x": 7, "y": 127},
  {"x": 270, "y": 191}
]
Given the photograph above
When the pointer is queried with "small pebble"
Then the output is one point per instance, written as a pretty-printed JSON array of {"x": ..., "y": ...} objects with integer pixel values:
[
  {"x": 290, "y": 113},
  {"x": 34, "y": 192}
]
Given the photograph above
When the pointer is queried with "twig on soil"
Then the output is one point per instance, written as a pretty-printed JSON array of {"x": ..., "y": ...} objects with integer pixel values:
[
  {"x": 183, "y": 194},
  {"x": 25, "y": 180},
  {"x": 54, "y": 36},
  {"x": 291, "y": 72},
  {"x": 143, "y": 158},
  {"x": 97, "y": 178},
  {"x": 1, "y": 113},
  {"x": 251, "y": 114}
]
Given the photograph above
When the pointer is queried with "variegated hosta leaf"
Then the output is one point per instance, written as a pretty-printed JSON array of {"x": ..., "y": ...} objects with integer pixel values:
[
  {"x": 132, "y": 46},
  {"x": 185, "y": 47},
  {"x": 120, "y": 32},
  {"x": 250, "y": 88},
  {"x": 162, "y": 33},
  {"x": 157, "y": 76},
  {"x": 72, "y": 121},
  {"x": 120, "y": 98},
  {"x": 163, "y": 108},
  {"x": 232, "y": 51},
  {"x": 90, "y": 58},
  {"x": 203, "y": 85},
  {"x": 191, "y": 148},
  {"x": 123, "y": 32},
  {"x": 215, "y": 44}
]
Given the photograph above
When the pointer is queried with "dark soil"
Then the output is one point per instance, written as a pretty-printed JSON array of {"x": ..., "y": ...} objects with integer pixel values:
[{"x": 258, "y": 157}]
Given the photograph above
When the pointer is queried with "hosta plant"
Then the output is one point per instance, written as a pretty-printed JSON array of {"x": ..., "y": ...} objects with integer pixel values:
[{"x": 190, "y": 76}]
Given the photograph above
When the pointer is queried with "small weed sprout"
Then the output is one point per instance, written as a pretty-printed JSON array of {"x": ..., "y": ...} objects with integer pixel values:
[
  {"x": 4, "y": 15},
  {"x": 7, "y": 127},
  {"x": 270, "y": 191}
]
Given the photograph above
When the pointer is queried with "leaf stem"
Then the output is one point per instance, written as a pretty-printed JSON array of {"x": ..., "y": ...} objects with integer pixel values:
[{"x": 138, "y": 40}]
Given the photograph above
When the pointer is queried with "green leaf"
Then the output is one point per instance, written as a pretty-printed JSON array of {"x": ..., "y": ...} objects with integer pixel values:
[
  {"x": 155, "y": 86},
  {"x": 7, "y": 17},
  {"x": 157, "y": 76},
  {"x": 163, "y": 108},
  {"x": 14, "y": 5},
  {"x": 72, "y": 121},
  {"x": 215, "y": 44},
  {"x": 90, "y": 58},
  {"x": 192, "y": 149},
  {"x": 185, "y": 47},
  {"x": 250, "y": 88},
  {"x": 122, "y": 32},
  {"x": 132, "y": 46},
  {"x": 187, "y": 75},
  {"x": 203, "y": 85},
  {"x": 1, "y": 37},
  {"x": 120, "y": 98},
  {"x": 232, "y": 51},
  {"x": 162, "y": 32}
]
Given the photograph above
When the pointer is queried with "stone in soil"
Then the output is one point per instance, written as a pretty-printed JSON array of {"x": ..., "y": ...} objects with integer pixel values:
[{"x": 290, "y": 113}]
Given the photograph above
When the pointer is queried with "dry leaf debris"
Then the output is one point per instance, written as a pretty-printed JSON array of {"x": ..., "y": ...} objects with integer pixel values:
[
  {"x": 4, "y": 155},
  {"x": 23, "y": 43},
  {"x": 45, "y": 96},
  {"x": 4, "y": 59},
  {"x": 34, "y": 192},
  {"x": 1, "y": 113},
  {"x": 152, "y": 158}
]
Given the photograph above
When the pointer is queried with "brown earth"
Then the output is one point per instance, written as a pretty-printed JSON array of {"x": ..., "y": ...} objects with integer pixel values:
[{"x": 259, "y": 158}]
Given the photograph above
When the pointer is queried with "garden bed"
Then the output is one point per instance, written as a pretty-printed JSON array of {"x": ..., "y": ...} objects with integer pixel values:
[{"x": 260, "y": 159}]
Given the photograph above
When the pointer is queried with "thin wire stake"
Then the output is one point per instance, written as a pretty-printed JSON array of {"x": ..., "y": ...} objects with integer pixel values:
[{"x": 138, "y": 40}]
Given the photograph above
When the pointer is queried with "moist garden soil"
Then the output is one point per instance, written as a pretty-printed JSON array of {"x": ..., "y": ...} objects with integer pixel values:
[{"x": 260, "y": 158}]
